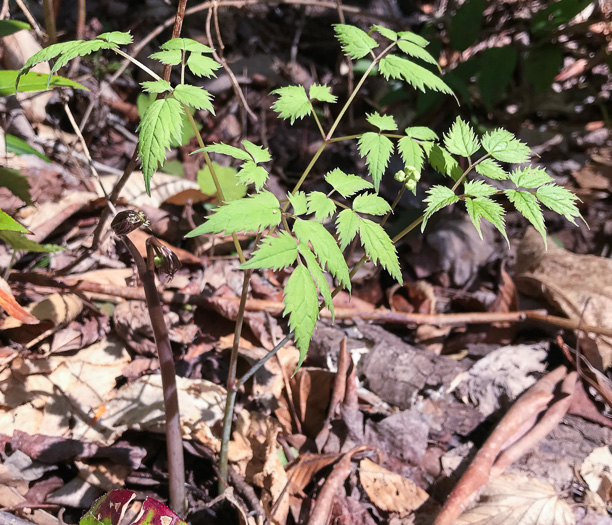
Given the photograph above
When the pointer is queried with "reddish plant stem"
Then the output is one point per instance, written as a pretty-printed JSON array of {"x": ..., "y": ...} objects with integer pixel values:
[
  {"x": 174, "y": 440},
  {"x": 176, "y": 32}
]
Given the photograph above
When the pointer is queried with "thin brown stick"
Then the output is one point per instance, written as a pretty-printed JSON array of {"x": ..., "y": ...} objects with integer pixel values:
[
  {"x": 50, "y": 21},
  {"x": 176, "y": 32}
]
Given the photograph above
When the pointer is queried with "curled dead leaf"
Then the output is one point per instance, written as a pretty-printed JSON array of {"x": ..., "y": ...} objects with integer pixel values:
[
  {"x": 12, "y": 307},
  {"x": 58, "y": 308}
]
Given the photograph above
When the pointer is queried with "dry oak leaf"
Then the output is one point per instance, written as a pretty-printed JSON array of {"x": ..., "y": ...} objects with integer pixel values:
[
  {"x": 518, "y": 500},
  {"x": 12, "y": 307},
  {"x": 390, "y": 491},
  {"x": 58, "y": 308}
]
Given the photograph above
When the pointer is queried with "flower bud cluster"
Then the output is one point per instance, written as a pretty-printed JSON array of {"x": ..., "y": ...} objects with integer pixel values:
[{"x": 409, "y": 176}]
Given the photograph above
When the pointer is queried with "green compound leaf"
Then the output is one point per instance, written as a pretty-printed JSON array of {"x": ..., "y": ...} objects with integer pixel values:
[
  {"x": 371, "y": 204},
  {"x": 186, "y": 44},
  {"x": 154, "y": 512},
  {"x": 318, "y": 276},
  {"x": 14, "y": 181},
  {"x": 194, "y": 96},
  {"x": 346, "y": 185},
  {"x": 321, "y": 205},
  {"x": 302, "y": 304},
  {"x": 251, "y": 173},
  {"x": 461, "y": 139},
  {"x": 116, "y": 37},
  {"x": 442, "y": 161},
  {"x": 169, "y": 58},
  {"x": 298, "y": 202},
  {"x": 490, "y": 168},
  {"x": 292, "y": 103},
  {"x": 322, "y": 93},
  {"x": 202, "y": 66},
  {"x": 258, "y": 153},
  {"x": 502, "y": 145},
  {"x": 10, "y": 224},
  {"x": 478, "y": 188},
  {"x": 325, "y": 248},
  {"x": 48, "y": 53},
  {"x": 109, "y": 509},
  {"x": 355, "y": 42},
  {"x": 387, "y": 33},
  {"x": 379, "y": 247},
  {"x": 18, "y": 241},
  {"x": 559, "y": 200},
  {"x": 485, "y": 208},
  {"x": 528, "y": 206},
  {"x": 382, "y": 122},
  {"x": 437, "y": 198},
  {"x": 530, "y": 177},
  {"x": 162, "y": 123},
  {"x": 393, "y": 66},
  {"x": 274, "y": 252},
  {"x": 421, "y": 133},
  {"x": 225, "y": 149},
  {"x": 411, "y": 152},
  {"x": 156, "y": 86},
  {"x": 416, "y": 51},
  {"x": 79, "y": 48},
  {"x": 251, "y": 214},
  {"x": 413, "y": 37},
  {"x": 347, "y": 226},
  {"x": 377, "y": 149}
]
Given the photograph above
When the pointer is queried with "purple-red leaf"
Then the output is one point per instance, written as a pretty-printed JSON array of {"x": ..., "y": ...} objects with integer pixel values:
[
  {"x": 155, "y": 513},
  {"x": 109, "y": 509}
]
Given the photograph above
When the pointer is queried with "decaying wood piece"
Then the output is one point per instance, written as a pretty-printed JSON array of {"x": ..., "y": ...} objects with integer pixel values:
[{"x": 512, "y": 434}]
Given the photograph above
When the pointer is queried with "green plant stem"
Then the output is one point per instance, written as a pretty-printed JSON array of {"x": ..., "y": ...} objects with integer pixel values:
[
  {"x": 174, "y": 440},
  {"x": 311, "y": 164},
  {"x": 314, "y": 114},
  {"x": 137, "y": 63}
]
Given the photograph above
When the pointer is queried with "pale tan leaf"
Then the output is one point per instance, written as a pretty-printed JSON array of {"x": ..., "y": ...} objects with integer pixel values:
[
  {"x": 390, "y": 491},
  {"x": 58, "y": 308},
  {"x": 596, "y": 472},
  {"x": 518, "y": 500}
]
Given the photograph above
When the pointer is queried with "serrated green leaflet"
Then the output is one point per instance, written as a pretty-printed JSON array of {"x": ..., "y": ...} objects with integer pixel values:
[
  {"x": 202, "y": 66},
  {"x": 421, "y": 133},
  {"x": 478, "y": 188},
  {"x": 156, "y": 86},
  {"x": 382, "y": 122},
  {"x": 485, "y": 208},
  {"x": 116, "y": 37},
  {"x": 321, "y": 93},
  {"x": 15, "y": 182},
  {"x": 559, "y": 200},
  {"x": 442, "y": 161},
  {"x": 225, "y": 149},
  {"x": 259, "y": 153},
  {"x": 347, "y": 226},
  {"x": 274, "y": 252},
  {"x": 411, "y": 152},
  {"x": 346, "y": 185},
  {"x": 461, "y": 139},
  {"x": 251, "y": 173},
  {"x": 490, "y": 168},
  {"x": 251, "y": 214},
  {"x": 186, "y": 44},
  {"x": 325, "y": 248},
  {"x": 393, "y": 66},
  {"x": 413, "y": 37},
  {"x": 194, "y": 96},
  {"x": 18, "y": 241},
  {"x": 298, "y": 202},
  {"x": 302, "y": 304},
  {"x": 377, "y": 150},
  {"x": 355, "y": 42},
  {"x": 387, "y": 33},
  {"x": 416, "y": 51},
  {"x": 379, "y": 247},
  {"x": 10, "y": 224},
  {"x": 502, "y": 145},
  {"x": 161, "y": 124},
  {"x": 528, "y": 206},
  {"x": 318, "y": 276},
  {"x": 79, "y": 48},
  {"x": 371, "y": 204},
  {"x": 321, "y": 205},
  {"x": 292, "y": 103},
  {"x": 530, "y": 177},
  {"x": 437, "y": 198},
  {"x": 169, "y": 58}
]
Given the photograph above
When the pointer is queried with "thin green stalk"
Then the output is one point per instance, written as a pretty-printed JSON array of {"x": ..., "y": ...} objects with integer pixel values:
[
  {"x": 137, "y": 63},
  {"x": 314, "y": 114},
  {"x": 307, "y": 171}
]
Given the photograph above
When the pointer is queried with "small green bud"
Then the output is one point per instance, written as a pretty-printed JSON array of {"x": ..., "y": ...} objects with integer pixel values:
[
  {"x": 400, "y": 176},
  {"x": 411, "y": 185},
  {"x": 412, "y": 173}
]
